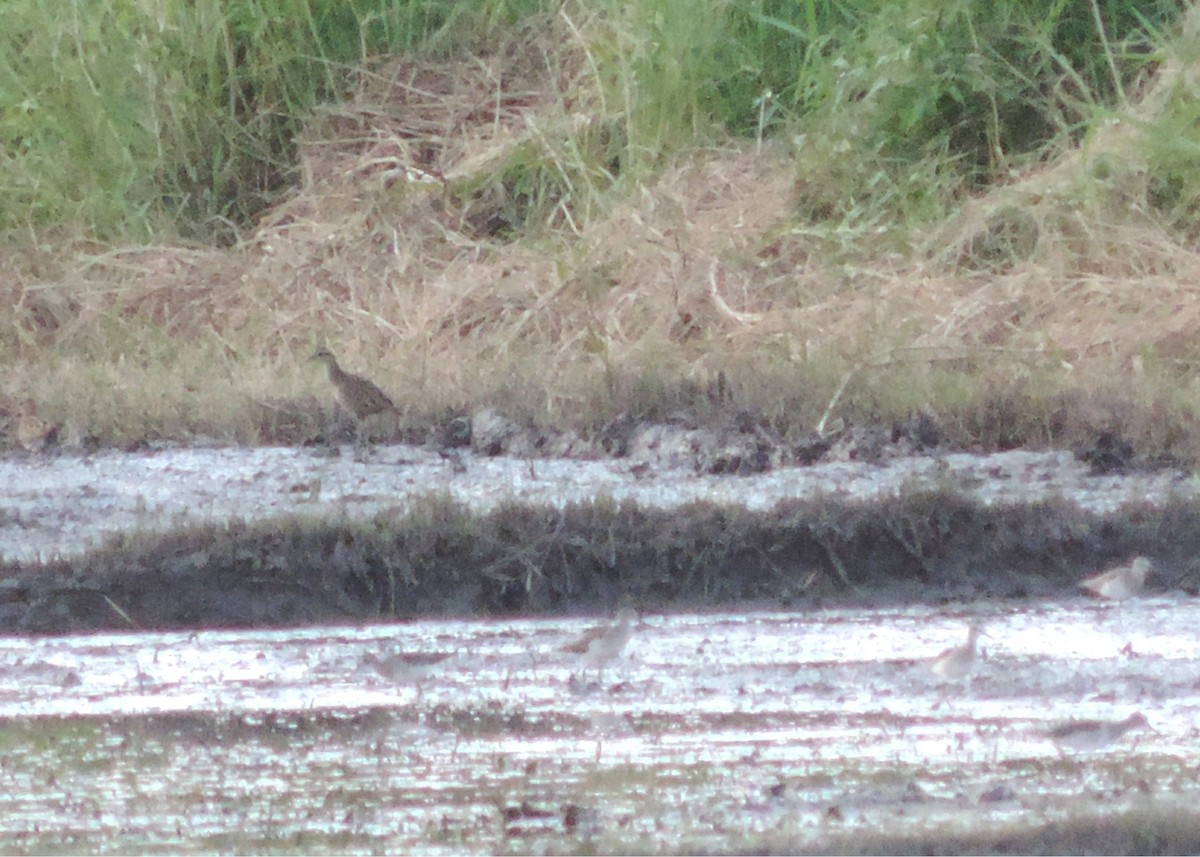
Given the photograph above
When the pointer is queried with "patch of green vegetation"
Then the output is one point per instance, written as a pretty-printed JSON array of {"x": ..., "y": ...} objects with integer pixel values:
[
  {"x": 928, "y": 100},
  {"x": 492, "y": 201},
  {"x": 135, "y": 119}
]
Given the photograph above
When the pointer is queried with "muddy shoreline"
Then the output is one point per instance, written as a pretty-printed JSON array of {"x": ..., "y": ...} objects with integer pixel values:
[
  {"x": 778, "y": 687},
  {"x": 236, "y": 537}
]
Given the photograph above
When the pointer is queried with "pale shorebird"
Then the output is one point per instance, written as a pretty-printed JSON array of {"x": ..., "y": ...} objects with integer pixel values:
[
  {"x": 403, "y": 666},
  {"x": 1084, "y": 735},
  {"x": 958, "y": 662},
  {"x": 597, "y": 646},
  {"x": 1117, "y": 584}
]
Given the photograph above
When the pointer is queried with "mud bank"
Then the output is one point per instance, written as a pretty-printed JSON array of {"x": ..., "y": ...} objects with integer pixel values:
[{"x": 260, "y": 537}]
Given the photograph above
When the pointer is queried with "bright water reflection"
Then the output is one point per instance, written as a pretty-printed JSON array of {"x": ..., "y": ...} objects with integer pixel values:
[
  {"x": 713, "y": 731},
  {"x": 63, "y": 506}
]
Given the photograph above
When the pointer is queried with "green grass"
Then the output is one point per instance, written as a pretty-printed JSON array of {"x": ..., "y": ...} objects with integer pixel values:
[
  {"x": 128, "y": 119},
  {"x": 133, "y": 119},
  {"x": 923, "y": 204}
]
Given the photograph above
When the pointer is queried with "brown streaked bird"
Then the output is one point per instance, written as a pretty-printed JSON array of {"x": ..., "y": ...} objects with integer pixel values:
[
  {"x": 357, "y": 396},
  {"x": 597, "y": 646},
  {"x": 1119, "y": 583},
  {"x": 32, "y": 432},
  {"x": 1084, "y": 735},
  {"x": 958, "y": 662}
]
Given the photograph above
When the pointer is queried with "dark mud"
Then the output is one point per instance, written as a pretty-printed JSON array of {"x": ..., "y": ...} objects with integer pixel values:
[
  {"x": 184, "y": 538},
  {"x": 440, "y": 558},
  {"x": 1138, "y": 831}
]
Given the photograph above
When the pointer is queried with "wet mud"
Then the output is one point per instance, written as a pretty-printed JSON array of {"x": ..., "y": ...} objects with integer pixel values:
[
  {"x": 777, "y": 694},
  {"x": 194, "y": 538}
]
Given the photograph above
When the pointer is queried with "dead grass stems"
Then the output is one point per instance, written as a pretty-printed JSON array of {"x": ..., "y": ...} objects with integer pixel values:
[{"x": 413, "y": 248}]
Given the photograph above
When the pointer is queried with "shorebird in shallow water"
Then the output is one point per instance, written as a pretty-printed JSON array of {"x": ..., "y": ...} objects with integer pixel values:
[
  {"x": 1084, "y": 735},
  {"x": 403, "y": 666},
  {"x": 1117, "y": 584},
  {"x": 597, "y": 646},
  {"x": 958, "y": 662}
]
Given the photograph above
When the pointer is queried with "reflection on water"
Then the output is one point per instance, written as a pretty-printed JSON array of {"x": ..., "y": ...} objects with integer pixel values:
[
  {"x": 63, "y": 506},
  {"x": 711, "y": 732}
]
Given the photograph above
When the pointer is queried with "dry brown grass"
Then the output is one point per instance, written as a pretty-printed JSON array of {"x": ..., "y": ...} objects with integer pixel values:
[{"x": 1059, "y": 284}]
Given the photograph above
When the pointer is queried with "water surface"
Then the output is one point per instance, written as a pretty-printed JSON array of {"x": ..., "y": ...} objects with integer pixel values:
[{"x": 714, "y": 731}]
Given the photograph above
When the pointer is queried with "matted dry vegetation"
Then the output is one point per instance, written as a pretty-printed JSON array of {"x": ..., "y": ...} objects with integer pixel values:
[
  {"x": 1047, "y": 310},
  {"x": 440, "y": 558}
]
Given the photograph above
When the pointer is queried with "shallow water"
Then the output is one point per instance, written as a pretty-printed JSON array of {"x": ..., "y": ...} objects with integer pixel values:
[
  {"x": 714, "y": 731},
  {"x": 722, "y": 731},
  {"x": 63, "y": 506}
]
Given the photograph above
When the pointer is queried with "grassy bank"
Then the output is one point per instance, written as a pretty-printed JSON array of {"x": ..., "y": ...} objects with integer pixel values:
[
  {"x": 440, "y": 559},
  {"x": 980, "y": 211}
]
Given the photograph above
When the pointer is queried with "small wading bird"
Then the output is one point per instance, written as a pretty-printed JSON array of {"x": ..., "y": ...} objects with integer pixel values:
[
  {"x": 1119, "y": 583},
  {"x": 597, "y": 646},
  {"x": 403, "y": 666},
  {"x": 1084, "y": 735},
  {"x": 958, "y": 662},
  {"x": 356, "y": 395}
]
